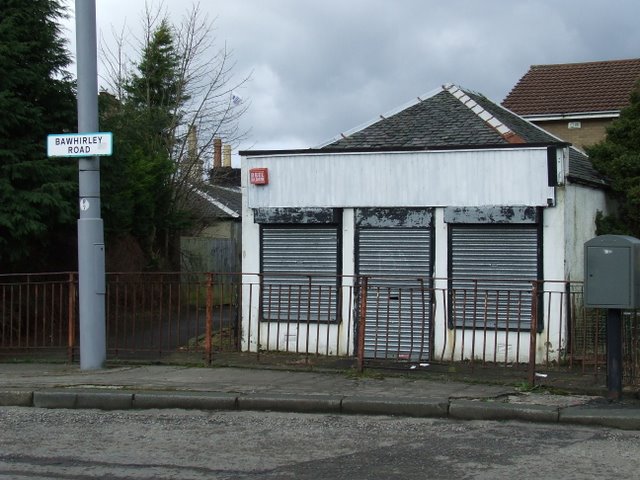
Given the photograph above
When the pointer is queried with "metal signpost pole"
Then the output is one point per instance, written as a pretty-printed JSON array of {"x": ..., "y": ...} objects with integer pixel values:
[
  {"x": 91, "y": 270},
  {"x": 614, "y": 353}
]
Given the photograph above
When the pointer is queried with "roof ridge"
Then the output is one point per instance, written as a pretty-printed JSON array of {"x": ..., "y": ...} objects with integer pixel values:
[
  {"x": 590, "y": 62},
  {"x": 491, "y": 120}
]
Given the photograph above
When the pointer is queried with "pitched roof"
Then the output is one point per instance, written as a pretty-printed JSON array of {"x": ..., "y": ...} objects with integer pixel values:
[
  {"x": 449, "y": 116},
  {"x": 574, "y": 88},
  {"x": 455, "y": 117},
  {"x": 216, "y": 201},
  {"x": 581, "y": 169}
]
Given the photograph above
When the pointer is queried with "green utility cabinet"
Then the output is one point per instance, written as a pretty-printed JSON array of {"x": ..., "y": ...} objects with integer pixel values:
[{"x": 612, "y": 272}]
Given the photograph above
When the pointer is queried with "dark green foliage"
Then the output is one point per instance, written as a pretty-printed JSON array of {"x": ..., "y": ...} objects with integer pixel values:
[
  {"x": 37, "y": 194},
  {"x": 136, "y": 180},
  {"x": 157, "y": 84},
  {"x": 618, "y": 157},
  {"x": 165, "y": 111}
]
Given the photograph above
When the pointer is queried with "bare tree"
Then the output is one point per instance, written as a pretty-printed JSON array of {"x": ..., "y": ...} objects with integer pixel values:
[{"x": 180, "y": 75}]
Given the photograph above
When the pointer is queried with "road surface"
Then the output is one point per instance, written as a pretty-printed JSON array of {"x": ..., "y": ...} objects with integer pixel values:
[{"x": 153, "y": 444}]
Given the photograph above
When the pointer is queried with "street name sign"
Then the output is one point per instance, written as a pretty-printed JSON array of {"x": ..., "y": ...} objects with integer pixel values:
[{"x": 80, "y": 144}]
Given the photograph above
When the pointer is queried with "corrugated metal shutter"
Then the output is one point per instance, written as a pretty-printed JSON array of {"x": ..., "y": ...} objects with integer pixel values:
[
  {"x": 398, "y": 301},
  {"x": 300, "y": 269},
  {"x": 492, "y": 267}
]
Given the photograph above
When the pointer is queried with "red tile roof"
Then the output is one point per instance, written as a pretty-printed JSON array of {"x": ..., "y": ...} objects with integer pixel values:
[{"x": 574, "y": 88}]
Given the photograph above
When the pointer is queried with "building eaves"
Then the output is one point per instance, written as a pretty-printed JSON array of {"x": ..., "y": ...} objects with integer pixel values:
[
  {"x": 572, "y": 116},
  {"x": 581, "y": 170},
  {"x": 431, "y": 148}
]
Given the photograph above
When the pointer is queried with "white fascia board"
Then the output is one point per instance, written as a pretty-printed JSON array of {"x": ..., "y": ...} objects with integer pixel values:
[
  {"x": 380, "y": 179},
  {"x": 572, "y": 116}
]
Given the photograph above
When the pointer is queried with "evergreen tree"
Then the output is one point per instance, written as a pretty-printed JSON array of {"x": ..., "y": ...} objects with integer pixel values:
[
  {"x": 136, "y": 180},
  {"x": 157, "y": 83},
  {"x": 178, "y": 86},
  {"x": 37, "y": 194},
  {"x": 618, "y": 158}
]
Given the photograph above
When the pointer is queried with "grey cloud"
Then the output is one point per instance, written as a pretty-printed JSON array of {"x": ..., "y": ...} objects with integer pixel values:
[{"x": 322, "y": 67}]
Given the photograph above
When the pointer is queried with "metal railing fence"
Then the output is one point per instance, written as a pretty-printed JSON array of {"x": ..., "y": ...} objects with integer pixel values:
[{"x": 373, "y": 320}]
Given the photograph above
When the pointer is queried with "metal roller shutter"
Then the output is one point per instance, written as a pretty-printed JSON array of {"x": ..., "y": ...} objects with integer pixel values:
[
  {"x": 491, "y": 270},
  {"x": 398, "y": 301},
  {"x": 300, "y": 269}
]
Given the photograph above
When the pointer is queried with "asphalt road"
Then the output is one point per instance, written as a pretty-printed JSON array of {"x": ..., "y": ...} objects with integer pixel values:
[{"x": 84, "y": 444}]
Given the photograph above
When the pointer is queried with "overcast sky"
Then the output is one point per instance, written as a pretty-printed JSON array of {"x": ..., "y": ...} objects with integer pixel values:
[{"x": 321, "y": 67}]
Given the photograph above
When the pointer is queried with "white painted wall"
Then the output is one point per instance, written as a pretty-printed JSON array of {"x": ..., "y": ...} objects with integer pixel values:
[
  {"x": 465, "y": 344},
  {"x": 403, "y": 179},
  {"x": 250, "y": 267},
  {"x": 326, "y": 181},
  {"x": 581, "y": 204},
  {"x": 323, "y": 338}
]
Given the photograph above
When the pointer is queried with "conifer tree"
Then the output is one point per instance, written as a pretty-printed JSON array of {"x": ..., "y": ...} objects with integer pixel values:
[
  {"x": 618, "y": 158},
  {"x": 177, "y": 85},
  {"x": 37, "y": 194}
]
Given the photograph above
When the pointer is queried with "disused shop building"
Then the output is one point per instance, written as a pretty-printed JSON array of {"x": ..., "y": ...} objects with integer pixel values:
[{"x": 449, "y": 193}]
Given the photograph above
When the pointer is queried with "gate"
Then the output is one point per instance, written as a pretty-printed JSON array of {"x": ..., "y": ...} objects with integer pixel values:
[{"x": 395, "y": 252}]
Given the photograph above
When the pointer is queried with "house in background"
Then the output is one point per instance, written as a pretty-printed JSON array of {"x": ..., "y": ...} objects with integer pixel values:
[
  {"x": 214, "y": 244},
  {"x": 575, "y": 101},
  {"x": 446, "y": 193}
]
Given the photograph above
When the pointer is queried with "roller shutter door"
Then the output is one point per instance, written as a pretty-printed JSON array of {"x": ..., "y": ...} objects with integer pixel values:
[
  {"x": 300, "y": 269},
  {"x": 398, "y": 261},
  {"x": 491, "y": 269}
]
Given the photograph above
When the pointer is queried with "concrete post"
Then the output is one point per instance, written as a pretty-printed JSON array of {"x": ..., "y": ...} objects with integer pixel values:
[{"x": 91, "y": 270}]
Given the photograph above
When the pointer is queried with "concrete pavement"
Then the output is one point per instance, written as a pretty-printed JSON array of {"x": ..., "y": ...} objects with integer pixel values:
[{"x": 225, "y": 388}]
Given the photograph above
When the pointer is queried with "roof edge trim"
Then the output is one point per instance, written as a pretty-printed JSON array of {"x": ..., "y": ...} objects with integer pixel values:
[
  {"x": 504, "y": 131},
  {"x": 217, "y": 203},
  {"x": 400, "y": 149},
  {"x": 571, "y": 116}
]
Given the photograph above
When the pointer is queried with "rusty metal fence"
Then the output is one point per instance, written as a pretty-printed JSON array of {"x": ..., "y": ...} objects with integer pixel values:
[
  {"x": 371, "y": 320},
  {"x": 159, "y": 315},
  {"x": 148, "y": 315},
  {"x": 37, "y": 313}
]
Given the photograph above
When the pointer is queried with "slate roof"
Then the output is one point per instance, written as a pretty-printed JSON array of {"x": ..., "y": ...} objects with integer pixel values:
[
  {"x": 452, "y": 117},
  {"x": 439, "y": 120},
  {"x": 449, "y": 116},
  {"x": 561, "y": 89},
  {"x": 216, "y": 201},
  {"x": 581, "y": 170}
]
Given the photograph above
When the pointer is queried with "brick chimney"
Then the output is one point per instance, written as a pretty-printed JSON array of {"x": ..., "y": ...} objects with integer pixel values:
[
  {"x": 226, "y": 156},
  {"x": 217, "y": 153}
]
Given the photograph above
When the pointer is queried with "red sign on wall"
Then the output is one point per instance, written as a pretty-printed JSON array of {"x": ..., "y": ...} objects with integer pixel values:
[{"x": 259, "y": 176}]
